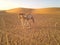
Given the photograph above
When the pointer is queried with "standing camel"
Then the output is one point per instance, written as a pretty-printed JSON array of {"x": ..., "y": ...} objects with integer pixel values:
[{"x": 26, "y": 20}]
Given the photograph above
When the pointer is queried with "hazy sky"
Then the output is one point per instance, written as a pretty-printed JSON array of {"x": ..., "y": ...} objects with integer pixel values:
[{"x": 9, "y": 4}]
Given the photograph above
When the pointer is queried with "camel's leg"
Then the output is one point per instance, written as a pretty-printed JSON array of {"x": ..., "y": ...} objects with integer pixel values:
[
  {"x": 27, "y": 24},
  {"x": 22, "y": 23},
  {"x": 30, "y": 23}
]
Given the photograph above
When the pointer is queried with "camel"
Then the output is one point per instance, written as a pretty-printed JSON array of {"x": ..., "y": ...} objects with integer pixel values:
[{"x": 26, "y": 20}]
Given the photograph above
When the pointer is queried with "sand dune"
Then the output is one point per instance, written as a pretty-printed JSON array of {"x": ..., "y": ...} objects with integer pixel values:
[
  {"x": 47, "y": 11},
  {"x": 45, "y": 30},
  {"x": 36, "y": 11}
]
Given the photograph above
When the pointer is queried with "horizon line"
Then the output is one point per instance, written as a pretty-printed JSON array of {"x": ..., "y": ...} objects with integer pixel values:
[{"x": 28, "y": 8}]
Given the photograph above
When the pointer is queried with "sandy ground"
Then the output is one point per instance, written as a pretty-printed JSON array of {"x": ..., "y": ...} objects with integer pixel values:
[{"x": 45, "y": 30}]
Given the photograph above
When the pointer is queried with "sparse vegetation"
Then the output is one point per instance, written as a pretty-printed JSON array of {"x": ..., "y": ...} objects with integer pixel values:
[{"x": 45, "y": 30}]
